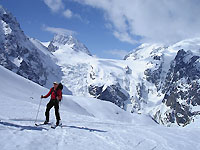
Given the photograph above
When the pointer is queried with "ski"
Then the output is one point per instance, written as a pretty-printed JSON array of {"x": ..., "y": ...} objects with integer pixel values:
[
  {"x": 41, "y": 124},
  {"x": 55, "y": 126}
]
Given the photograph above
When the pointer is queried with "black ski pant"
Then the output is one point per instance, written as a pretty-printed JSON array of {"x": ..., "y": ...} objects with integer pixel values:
[{"x": 52, "y": 103}]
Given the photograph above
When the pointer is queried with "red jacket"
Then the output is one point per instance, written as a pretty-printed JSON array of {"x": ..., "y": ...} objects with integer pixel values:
[{"x": 53, "y": 94}]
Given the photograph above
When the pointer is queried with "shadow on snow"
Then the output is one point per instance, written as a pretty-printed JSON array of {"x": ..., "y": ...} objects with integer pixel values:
[
  {"x": 24, "y": 119},
  {"x": 84, "y": 128},
  {"x": 21, "y": 127}
]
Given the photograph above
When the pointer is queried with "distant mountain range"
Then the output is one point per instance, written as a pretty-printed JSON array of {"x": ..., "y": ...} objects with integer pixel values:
[{"x": 159, "y": 80}]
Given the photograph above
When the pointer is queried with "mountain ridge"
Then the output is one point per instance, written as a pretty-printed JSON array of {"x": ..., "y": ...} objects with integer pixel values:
[{"x": 144, "y": 82}]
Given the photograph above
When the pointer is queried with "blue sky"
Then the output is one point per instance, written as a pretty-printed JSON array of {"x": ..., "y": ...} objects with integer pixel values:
[
  {"x": 109, "y": 28},
  {"x": 88, "y": 23}
]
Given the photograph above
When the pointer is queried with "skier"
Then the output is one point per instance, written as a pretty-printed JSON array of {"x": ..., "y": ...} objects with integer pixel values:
[{"x": 56, "y": 96}]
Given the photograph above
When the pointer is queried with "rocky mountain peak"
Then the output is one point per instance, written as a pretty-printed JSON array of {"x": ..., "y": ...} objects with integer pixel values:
[
  {"x": 63, "y": 39},
  {"x": 2, "y": 10},
  {"x": 18, "y": 53},
  {"x": 9, "y": 27}
]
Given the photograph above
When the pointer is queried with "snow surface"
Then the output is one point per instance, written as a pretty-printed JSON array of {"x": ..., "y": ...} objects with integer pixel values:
[
  {"x": 17, "y": 61},
  {"x": 7, "y": 29},
  {"x": 46, "y": 44},
  {"x": 88, "y": 123}
]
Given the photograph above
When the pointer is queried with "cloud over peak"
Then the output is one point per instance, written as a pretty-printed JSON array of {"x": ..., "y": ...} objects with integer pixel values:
[
  {"x": 55, "y": 30},
  {"x": 152, "y": 20}
]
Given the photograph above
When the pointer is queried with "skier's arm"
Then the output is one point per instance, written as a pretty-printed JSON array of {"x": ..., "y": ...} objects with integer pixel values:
[{"x": 47, "y": 95}]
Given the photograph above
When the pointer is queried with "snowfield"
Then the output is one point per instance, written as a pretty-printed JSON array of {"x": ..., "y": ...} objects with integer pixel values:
[{"x": 88, "y": 123}]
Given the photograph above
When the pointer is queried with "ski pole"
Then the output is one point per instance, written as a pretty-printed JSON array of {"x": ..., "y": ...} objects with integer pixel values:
[{"x": 38, "y": 111}]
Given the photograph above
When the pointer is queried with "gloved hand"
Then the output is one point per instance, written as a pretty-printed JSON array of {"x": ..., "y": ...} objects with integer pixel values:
[
  {"x": 57, "y": 98},
  {"x": 42, "y": 96}
]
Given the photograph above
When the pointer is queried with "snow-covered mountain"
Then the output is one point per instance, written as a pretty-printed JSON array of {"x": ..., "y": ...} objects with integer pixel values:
[
  {"x": 169, "y": 81},
  {"x": 155, "y": 79},
  {"x": 65, "y": 59},
  {"x": 88, "y": 123},
  {"x": 19, "y": 54},
  {"x": 82, "y": 73},
  {"x": 62, "y": 41}
]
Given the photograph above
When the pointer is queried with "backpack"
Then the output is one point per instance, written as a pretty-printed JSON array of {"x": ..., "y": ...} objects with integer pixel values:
[{"x": 60, "y": 86}]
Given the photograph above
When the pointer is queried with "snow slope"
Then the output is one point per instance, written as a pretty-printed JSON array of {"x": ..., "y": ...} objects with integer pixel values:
[{"x": 88, "y": 123}]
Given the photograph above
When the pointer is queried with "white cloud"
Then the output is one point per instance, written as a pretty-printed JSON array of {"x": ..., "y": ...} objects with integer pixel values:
[
  {"x": 153, "y": 20},
  {"x": 58, "y": 30},
  {"x": 124, "y": 37},
  {"x": 54, "y": 5},
  {"x": 59, "y": 6},
  {"x": 117, "y": 53},
  {"x": 68, "y": 13}
]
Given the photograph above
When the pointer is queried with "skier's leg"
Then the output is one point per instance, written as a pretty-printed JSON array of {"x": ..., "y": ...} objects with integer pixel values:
[
  {"x": 49, "y": 106},
  {"x": 56, "y": 106}
]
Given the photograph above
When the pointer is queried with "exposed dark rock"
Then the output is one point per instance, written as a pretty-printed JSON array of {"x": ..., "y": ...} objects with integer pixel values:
[
  {"x": 19, "y": 54},
  {"x": 182, "y": 87},
  {"x": 112, "y": 93},
  {"x": 154, "y": 76},
  {"x": 142, "y": 93},
  {"x": 52, "y": 48},
  {"x": 95, "y": 90}
]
